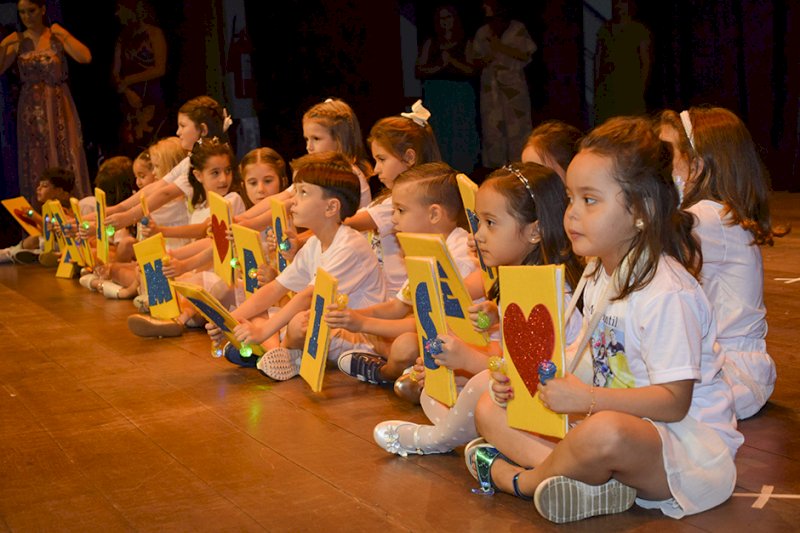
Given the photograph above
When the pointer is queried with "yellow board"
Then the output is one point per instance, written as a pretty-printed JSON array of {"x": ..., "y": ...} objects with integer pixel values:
[
  {"x": 214, "y": 312},
  {"x": 19, "y": 208},
  {"x": 280, "y": 223},
  {"x": 454, "y": 294},
  {"x": 423, "y": 279},
  {"x": 143, "y": 202},
  {"x": 249, "y": 254},
  {"x": 100, "y": 230},
  {"x": 69, "y": 251},
  {"x": 223, "y": 248},
  {"x": 469, "y": 190},
  {"x": 532, "y": 310},
  {"x": 82, "y": 244},
  {"x": 47, "y": 232},
  {"x": 315, "y": 348},
  {"x": 160, "y": 293}
]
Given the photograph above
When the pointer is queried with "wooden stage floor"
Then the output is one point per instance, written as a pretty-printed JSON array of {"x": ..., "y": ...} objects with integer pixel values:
[{"x": 104, "y": 431}]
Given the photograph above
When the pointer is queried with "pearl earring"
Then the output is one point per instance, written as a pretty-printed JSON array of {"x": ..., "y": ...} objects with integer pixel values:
[{"x": 639, "y": 224}]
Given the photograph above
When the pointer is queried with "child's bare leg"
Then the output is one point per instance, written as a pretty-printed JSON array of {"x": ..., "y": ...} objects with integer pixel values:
[
  {"x": 403, "y": 353},
  {"x": 30, "y": 243},
  {"x": 604, "y": 446},
  {"x": 296, "y": 331}
]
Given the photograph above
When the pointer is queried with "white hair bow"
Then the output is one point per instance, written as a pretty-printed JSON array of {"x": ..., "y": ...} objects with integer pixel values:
[{"x": 418, "y": 114}]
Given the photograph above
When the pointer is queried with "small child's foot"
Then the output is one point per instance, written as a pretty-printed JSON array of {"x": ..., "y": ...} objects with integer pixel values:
[
  {"x": 281, "y": 363},
  {"x": 408, "y": 388},
  {"x": 147, "y": 326},
  {"x": 48, "y": 259},
  {"x": 561, "y": 499},
  {"x": 363, "y": 366}
]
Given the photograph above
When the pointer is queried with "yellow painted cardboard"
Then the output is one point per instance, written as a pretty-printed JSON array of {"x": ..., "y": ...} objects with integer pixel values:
[
  {"x": 423, "y": 279},
  {"x": 100, "y": 229},
  {"x": 214, "y": 312},
  {"x": 161, "y": 298},
  {"x": 48, "y": 234},
  {"x": 315, "y": 348},
  {"x": 469, "y": 190},
  {"x": 223, "y": 248},
  {"x": 143, "y": 202},
  {"x": 83, "y": 244},
  {"x": 69, "y": 250},
  {"x": 528, "y": 295},
  {"x": 19, "y": 207},
  {"x": 454, "y": 294},
  {"x": 280, "y": 222},
  {"x": 250, "y": 255}
]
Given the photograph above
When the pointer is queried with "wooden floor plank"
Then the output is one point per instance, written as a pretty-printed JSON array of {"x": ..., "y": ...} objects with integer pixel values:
[{"x": 101, "y": 430}]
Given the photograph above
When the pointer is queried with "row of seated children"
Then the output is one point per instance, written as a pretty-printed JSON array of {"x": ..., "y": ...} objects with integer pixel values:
[{"x": 623, "y": 209}]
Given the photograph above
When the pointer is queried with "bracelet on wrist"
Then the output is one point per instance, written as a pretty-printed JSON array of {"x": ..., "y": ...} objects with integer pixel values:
[{"x": 591, "y": 405}]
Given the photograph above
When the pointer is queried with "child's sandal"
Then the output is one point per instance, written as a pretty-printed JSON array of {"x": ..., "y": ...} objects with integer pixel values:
[
  {"x": 479, "y": 456},
  {"x": 517, "y": 492}
]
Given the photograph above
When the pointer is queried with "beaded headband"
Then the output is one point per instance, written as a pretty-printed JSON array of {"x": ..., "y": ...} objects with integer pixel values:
[
  {"x": 523, "y": 179},
  {"x": 687, "y": 126}
]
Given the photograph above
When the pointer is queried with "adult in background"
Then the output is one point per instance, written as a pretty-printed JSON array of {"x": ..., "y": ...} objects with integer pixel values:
[
  {"x": 622, "y": 65},
  {"x": 446, "y": 76},
  {"x": 140, "y": 59},
  {"x": 48, "y": 127},
  {"x": 503, "y": 48}
]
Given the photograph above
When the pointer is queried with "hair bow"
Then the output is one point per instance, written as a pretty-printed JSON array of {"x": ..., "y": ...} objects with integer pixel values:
[{"x": 418, "y": 114}]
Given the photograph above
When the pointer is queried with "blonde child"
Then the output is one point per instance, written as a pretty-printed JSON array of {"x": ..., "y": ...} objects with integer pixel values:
[
  {"x": 658, "y": 422},
  {"x": 397, "y": 144},
  {"x": 212, "y": 169},
  {"x": 726, "y": 189},
  {"x": 552, "y": 144},
  {"x": 520, "y": 210},
  {"x": 425, "y": 199},
  {"x": 327, "y": 192},
  {"x": 199, "y": 117},
  {"x": 165, "y": 155}
]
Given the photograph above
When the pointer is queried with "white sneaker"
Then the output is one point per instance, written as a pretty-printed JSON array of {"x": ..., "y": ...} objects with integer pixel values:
[
  {"x": 281, "y": 363},
  {"x": 561, "y": 499}
]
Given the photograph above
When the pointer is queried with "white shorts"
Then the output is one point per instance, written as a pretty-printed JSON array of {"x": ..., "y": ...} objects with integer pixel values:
[
  {"x": 750, "y": 372},
  {"x": 699, "y": 466}
]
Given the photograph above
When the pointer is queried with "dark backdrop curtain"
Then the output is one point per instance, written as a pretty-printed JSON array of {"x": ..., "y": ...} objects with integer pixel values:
[{"x": 739, "y": 54}]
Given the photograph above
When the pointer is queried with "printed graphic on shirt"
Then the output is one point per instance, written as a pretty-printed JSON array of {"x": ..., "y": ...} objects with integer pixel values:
[
  {"x": 608, "y": 355},
  {"x": 374, "y": 239}
]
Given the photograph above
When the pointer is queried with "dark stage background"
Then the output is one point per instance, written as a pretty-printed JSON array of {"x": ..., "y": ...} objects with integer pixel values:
[{"x": 741, "y": 54}]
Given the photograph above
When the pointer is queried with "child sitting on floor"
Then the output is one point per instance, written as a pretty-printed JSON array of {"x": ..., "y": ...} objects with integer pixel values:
[
  {"x": 327, "y": 192},
  {"x": 425, "y": 200}
]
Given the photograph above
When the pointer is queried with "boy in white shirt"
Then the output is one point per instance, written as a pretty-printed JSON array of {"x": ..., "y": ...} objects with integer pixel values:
[
  {"x": 425, "y": 199},
  {"x": 327, "y": 192}
]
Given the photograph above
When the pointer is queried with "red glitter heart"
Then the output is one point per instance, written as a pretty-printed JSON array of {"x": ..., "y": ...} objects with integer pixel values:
[
  {"x": 529, "y": 342},
  {"x": 220, "y": 229},
  {"x": 23, "y": 215}
]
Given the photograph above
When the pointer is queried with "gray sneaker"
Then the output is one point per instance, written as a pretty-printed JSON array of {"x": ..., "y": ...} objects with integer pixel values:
[{"x": 561, "y": 499}]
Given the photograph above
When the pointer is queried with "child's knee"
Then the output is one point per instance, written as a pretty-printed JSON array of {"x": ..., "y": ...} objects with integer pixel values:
[
  {"x": 487, "y": 413},
  {"x": 405, "y": 349},
  {"x": 603, "y": 435}
]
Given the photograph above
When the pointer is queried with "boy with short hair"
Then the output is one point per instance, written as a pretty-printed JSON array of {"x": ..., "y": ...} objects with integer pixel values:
[
  {"x": 425, "y": 199},
  {"x": 326, "y": 192},
  {"x": 56, "y": 183}
]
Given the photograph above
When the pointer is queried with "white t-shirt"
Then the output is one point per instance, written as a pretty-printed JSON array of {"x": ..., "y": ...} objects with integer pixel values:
[
  {"x": 179, "y": 176},
  {"x": 349, "y": 259},
  {"x": 662, "y": 333},
  {"x": 203, "y": 211},
  {"x": 732, "y": 275},
  {"x": 384, "y": 244},
  {"x": 465, "y": 262},
  {"x": 174, "y": 213}
]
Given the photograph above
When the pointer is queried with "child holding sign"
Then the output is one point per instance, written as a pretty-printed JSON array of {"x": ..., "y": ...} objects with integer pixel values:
[
  {"x": 520, "y": 209},
  {"x": 658, "y": 421}
]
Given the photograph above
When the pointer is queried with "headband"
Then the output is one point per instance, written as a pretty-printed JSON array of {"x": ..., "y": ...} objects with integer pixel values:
[
  {"x": 418, "y": 114},
  {"x": 523, "y": 179},
  {"x": 687, "y": 126}
]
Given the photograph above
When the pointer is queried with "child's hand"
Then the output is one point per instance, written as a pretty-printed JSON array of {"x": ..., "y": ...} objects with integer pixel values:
[
  {"x": 120, "y": 220},
  {"x": 566, "y": 395},
  {"x": 500, "y": 388},
  {"x": 418, "y": 371},
  {"x": 247, "y": 332},
  {"x": 215, "y": 333},
  {"x": 344, "y": 318},
  {"x": 484, "y": 315},
  {"x": 174, "y": 267},
  {"x": 473, "y": 249},
  {"x": 229, "y": 234},
  {"x": 87, "y": 233},
  {"x": 150, "y": 229},
  {"x": 266, "y": 274},
  {"x": 453, "y": 354}
]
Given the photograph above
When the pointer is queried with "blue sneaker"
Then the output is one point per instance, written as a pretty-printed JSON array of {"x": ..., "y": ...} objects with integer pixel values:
[
  {"x": 233, "y": 356},
  {"x": 363, "y": 366}
]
